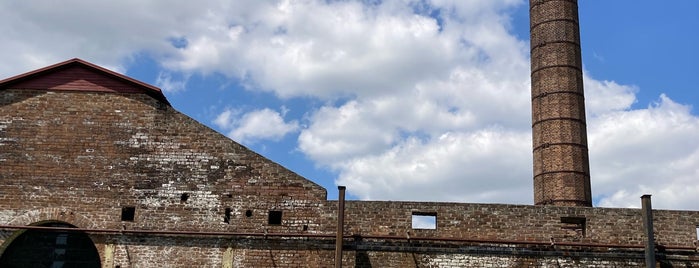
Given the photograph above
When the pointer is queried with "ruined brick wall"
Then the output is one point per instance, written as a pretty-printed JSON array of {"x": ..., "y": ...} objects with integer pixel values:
[
  {"x": 518, "y": 222},
  {"x": 111, "y": 150},
  {"x": 82, "y": 157},
  {"x": 478, "y": 235}
]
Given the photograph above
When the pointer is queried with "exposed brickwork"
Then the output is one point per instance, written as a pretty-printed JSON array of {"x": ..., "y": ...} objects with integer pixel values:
[
  {"x": 517, "y": 222},
  {"x": 561, "y": 165},
  {"x": 78, "y": 155},
  {"x": 115, "y": 150}
]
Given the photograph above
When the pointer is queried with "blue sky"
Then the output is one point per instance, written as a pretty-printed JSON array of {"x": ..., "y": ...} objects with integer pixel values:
[
  {"x": 651, "y": 45},
  {"x": 397, "y": 100}
]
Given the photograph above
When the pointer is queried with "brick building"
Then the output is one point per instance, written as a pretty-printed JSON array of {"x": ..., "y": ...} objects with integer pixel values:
[{"x": 99, "y": 170}]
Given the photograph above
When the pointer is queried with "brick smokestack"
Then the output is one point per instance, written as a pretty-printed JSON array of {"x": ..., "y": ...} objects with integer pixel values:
[{"x": 561, "y": 164}]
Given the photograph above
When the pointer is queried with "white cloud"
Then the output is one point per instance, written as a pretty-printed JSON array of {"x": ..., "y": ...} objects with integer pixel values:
[
  {"x": 264, "y": 124},
  {"x": 468, "y": 100},
  {"x": 435, "y": 137},
  {"x": 168, "y": 83},
  {"x": 40, "y": 33},
  {"x": 646, "y": 151},
  {"x": 345, "y": 48},
  {"x": 451, "y": 167},
  {"x": 607, "y": 96},
  {"x": 225, "y": 119}
]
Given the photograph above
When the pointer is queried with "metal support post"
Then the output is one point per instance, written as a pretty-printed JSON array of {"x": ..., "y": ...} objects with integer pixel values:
[
  {"x": 340, "y": 226},
  {"x": 647, "y": 212}
]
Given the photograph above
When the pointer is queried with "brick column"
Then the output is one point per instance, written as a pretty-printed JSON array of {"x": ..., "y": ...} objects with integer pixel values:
[{"x": 561, "y": 165}]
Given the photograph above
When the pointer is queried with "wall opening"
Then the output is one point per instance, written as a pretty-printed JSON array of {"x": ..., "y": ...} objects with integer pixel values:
[
  {"x": 574, "y": 226},
  {"x": 697, "y": 232},
  {"x": 227, "y": 215},
  {"x": 128, "y": 213},
  {"x": 184, "y": 197},
  {"x": 49, "y": 248},
  {"x": 275, "y": 217},
  {"x": 248, "y": 213},
  {"x": 424, "y": 220}
]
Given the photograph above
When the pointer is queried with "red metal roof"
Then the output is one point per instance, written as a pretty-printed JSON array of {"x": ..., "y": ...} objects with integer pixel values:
[{"x": 79, "y": 75}]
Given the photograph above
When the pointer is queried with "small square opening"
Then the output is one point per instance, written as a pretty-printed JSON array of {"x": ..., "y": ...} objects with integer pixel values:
[
  {"x": 424, "y": 220},
  {"x": 128, "y": 213},
  {"x": 275, "y": 217},
  {"x": 574, "y": 226}
]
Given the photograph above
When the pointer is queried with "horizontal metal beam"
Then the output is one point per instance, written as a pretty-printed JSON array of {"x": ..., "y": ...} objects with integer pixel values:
[{"x": 332, "y": 235}]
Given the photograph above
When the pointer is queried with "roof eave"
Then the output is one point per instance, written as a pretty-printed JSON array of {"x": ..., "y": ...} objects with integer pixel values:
[{"x": 149, "y": 89}]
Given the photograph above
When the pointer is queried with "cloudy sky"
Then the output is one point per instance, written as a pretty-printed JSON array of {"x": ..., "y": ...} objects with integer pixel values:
[{"x": 397, "y": 100}]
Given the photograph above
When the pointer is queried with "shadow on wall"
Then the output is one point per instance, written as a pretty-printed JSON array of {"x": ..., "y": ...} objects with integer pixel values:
[{"x": 361, "y": 259}]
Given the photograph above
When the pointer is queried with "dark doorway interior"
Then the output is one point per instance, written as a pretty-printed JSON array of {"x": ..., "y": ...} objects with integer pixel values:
[{"x": 51, "y": 249}]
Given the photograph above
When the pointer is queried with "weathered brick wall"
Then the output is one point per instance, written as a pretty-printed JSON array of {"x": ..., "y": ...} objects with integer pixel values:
[
  {"x": 517, "y": 222},
  {"x": 80, "y": 157},
  {"x": 498, "y": 235},
  {"x": 406, "y": 259}
]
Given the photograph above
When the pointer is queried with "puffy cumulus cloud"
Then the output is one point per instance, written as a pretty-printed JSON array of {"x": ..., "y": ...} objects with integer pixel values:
[
  {"x": 436, "y": 136},
  {"x": 168, "y": 83},
  {"x": 340, "y": 133},
  {"x": 343, "y": 48},
  {"x": 646, "y": 151},
  {"x": 39, "y": 33},
  {"x": 607, "y": 96},
  {"x": 347, "y": 48},
  {"x": 468, "y": 100},
  {"x": 489, "y": 165},
  {"x": 264, "y": 124}
]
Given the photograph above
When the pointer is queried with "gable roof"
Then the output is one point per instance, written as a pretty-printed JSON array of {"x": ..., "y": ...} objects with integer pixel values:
[{"x": 79, "y": 75}]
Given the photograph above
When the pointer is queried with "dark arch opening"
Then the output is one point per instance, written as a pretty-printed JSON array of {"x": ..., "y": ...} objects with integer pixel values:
[{"x": 48, "y": 248}]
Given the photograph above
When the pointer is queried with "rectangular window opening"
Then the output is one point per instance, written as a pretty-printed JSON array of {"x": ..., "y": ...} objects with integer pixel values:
[
  {"x": 128, "y": 213},
  {"x": 275, "y": 217},
  {"x": 227, "y": 215},
  {"x": 424, "y": 220},
  {"x": 575, "y": 226},
  {"x": 697, "y": 232}
]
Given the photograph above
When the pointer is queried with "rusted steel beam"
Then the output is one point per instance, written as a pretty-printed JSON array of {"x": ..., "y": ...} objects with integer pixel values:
[
  {"x": 331, "y": 235},
  {"x": 647, "y": 213},
  {"x": 340, "y": 226}
]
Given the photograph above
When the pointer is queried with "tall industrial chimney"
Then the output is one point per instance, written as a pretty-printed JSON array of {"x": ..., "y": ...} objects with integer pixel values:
[{"x": 561, "y": 164}]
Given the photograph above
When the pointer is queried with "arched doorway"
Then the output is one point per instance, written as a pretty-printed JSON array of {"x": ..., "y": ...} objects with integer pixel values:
[{"x": 51, "y": 249}]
